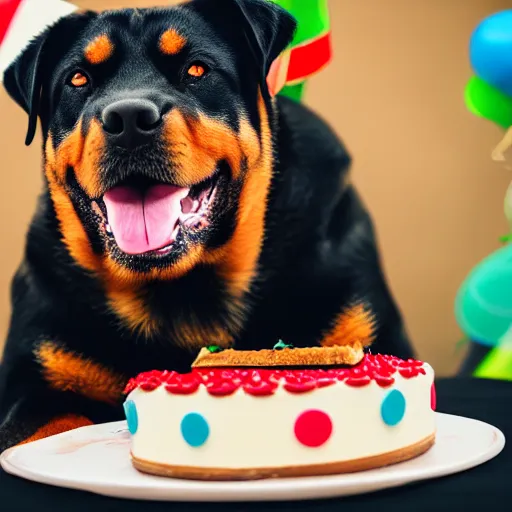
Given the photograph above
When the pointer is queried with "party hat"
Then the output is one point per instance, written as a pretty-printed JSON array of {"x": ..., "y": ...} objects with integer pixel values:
[
  {"x": 310, "y": 51},
  {"x": 22, "y": 20}
]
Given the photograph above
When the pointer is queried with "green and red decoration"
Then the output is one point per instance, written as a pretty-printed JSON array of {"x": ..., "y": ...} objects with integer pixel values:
[{"x": 309, "y": 52}]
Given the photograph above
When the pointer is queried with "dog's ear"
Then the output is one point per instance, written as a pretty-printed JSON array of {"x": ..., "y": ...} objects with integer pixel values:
[
  {"x": 23, "y": 81},
  {"x": 269, "y": 29},
  {"x": 25, "y": 77}
]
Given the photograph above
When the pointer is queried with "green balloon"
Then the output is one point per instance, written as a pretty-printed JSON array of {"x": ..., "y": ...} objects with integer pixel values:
[
  {"x": 488, "y": 102},
  {"x": 483, "y": 306}
]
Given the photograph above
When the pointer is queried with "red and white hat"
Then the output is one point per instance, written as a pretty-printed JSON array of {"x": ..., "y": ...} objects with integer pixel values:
[{"x": 22, "y": 20}]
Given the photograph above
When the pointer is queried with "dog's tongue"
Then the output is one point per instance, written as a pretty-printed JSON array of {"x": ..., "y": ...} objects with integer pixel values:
[{"x": 144, "y": 222}]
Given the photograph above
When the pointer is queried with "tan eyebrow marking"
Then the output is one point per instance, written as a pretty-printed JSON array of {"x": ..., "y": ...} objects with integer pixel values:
[
  {"x": 171, "y": 43},
  {"x": 99, "y": 50}
]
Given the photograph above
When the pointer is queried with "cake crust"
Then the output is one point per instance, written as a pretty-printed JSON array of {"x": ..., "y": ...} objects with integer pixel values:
[
  {"x": 225, "y": 474},
  {"x": 296, "y": 357}
]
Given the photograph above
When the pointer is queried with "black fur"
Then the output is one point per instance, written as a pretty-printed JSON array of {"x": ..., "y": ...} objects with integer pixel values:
[{"x": 320, "y": 251}]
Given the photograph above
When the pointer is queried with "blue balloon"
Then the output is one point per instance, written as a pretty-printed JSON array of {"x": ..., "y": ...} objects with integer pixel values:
[
  {"x": 483, "y": 307},
  {"x": 491, "y": 51}
]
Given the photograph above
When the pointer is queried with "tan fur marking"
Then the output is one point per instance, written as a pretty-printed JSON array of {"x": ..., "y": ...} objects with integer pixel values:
[
  {"x": 237, "y": 260},
  {"x": 171, "y": 43},
  {"x": 81, "y": 153},
  {"x": 355, "y": 326},
  {"x": 190, "y": 335},
  {"x": 58, "y": 425},
  {"x": 197, "y": 145},
  {"x": 73, "y": 232},
  {"x": 64, "y": 370},
  {"x": 129, "y": 305},
  {"x": 99, "y": 50}
]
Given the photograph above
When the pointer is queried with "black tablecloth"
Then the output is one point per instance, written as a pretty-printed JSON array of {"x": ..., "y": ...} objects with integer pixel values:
[{"x": 487, "y": 488}]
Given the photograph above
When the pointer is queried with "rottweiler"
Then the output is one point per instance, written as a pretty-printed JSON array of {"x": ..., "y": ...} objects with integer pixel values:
[{"x": 183, "y": 206}]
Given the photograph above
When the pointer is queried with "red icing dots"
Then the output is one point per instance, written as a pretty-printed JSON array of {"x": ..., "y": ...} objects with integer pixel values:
[
  {"x": 150, "y": 385},
  {"x": 358, "y": 381},
  {"x": 262, "y": 388},
  {"x": 182, "y": 384},
  {"x": 220, "y": 387},
  {"x": 381, "y": 369},
  {"x": 384, "y": 381},
  {"x": 299, "y": 383},
  {"x": 313, "y": 428},
  {"x": 433, "y": 397}
]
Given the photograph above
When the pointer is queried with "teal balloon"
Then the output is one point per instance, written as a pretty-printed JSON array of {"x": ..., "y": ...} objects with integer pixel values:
[{"x": 483, "y": 307}]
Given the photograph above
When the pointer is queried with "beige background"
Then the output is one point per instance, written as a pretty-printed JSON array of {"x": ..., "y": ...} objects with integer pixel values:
[{"x": 422, "y": 162}]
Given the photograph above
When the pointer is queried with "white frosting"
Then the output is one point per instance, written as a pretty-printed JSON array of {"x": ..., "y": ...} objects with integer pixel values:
[
  {"x": 30, "y": 19},
  {"x": 258, "y": 431}
]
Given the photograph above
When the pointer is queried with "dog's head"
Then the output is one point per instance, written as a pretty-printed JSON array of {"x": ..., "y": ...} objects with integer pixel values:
[{"x": 157, "y": 128}]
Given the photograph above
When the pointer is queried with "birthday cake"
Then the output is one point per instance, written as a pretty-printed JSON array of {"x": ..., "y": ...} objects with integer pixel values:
[{"x": 244, "y": 415}]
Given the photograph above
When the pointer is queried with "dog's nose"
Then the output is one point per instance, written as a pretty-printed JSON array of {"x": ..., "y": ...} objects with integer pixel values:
[{"x": 131, "y": 123}]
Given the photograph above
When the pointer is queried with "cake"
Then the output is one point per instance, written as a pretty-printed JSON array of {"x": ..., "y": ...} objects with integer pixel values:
[{"x": 286, "y": 412}]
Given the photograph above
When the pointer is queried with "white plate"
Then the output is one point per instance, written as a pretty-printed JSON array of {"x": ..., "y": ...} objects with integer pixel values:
[{"x": 97, "y": 459}]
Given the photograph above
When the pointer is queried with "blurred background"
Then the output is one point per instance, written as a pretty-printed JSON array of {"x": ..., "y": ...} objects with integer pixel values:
[{"x": 394, "y": 94}]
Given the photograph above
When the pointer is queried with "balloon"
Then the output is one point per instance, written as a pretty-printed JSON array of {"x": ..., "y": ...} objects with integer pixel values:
[
  {"x": 489, "y": 93},
  {"x": 483, "y": 307},
  {"x": 490, "y": 51},
  {"x": 486, "y": 101}
]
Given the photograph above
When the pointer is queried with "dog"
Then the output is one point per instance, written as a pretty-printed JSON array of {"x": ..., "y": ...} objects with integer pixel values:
[{"x": 183, "y": 206}]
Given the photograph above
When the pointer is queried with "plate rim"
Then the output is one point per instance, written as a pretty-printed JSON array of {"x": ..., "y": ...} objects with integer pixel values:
[{"x": 276, "y": 490}]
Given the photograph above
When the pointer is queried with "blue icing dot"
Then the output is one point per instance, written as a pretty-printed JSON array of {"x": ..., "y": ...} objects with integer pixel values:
[
  {"x": 195, "y": 429},
  {"x": 132, "y": 417},
  {"x": 393, "y": 408}
]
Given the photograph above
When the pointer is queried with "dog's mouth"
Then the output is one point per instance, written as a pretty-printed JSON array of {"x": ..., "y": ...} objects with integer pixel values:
[{"x": 145, "y": 217}]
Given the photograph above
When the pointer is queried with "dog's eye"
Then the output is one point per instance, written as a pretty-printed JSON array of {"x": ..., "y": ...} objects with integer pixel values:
[
  {"x": 79, "y": 80},
  {"x": 196, "y": 70}
]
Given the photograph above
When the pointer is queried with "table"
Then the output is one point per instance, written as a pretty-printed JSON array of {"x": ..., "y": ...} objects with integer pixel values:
[{"x": 487, "y": 488}]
